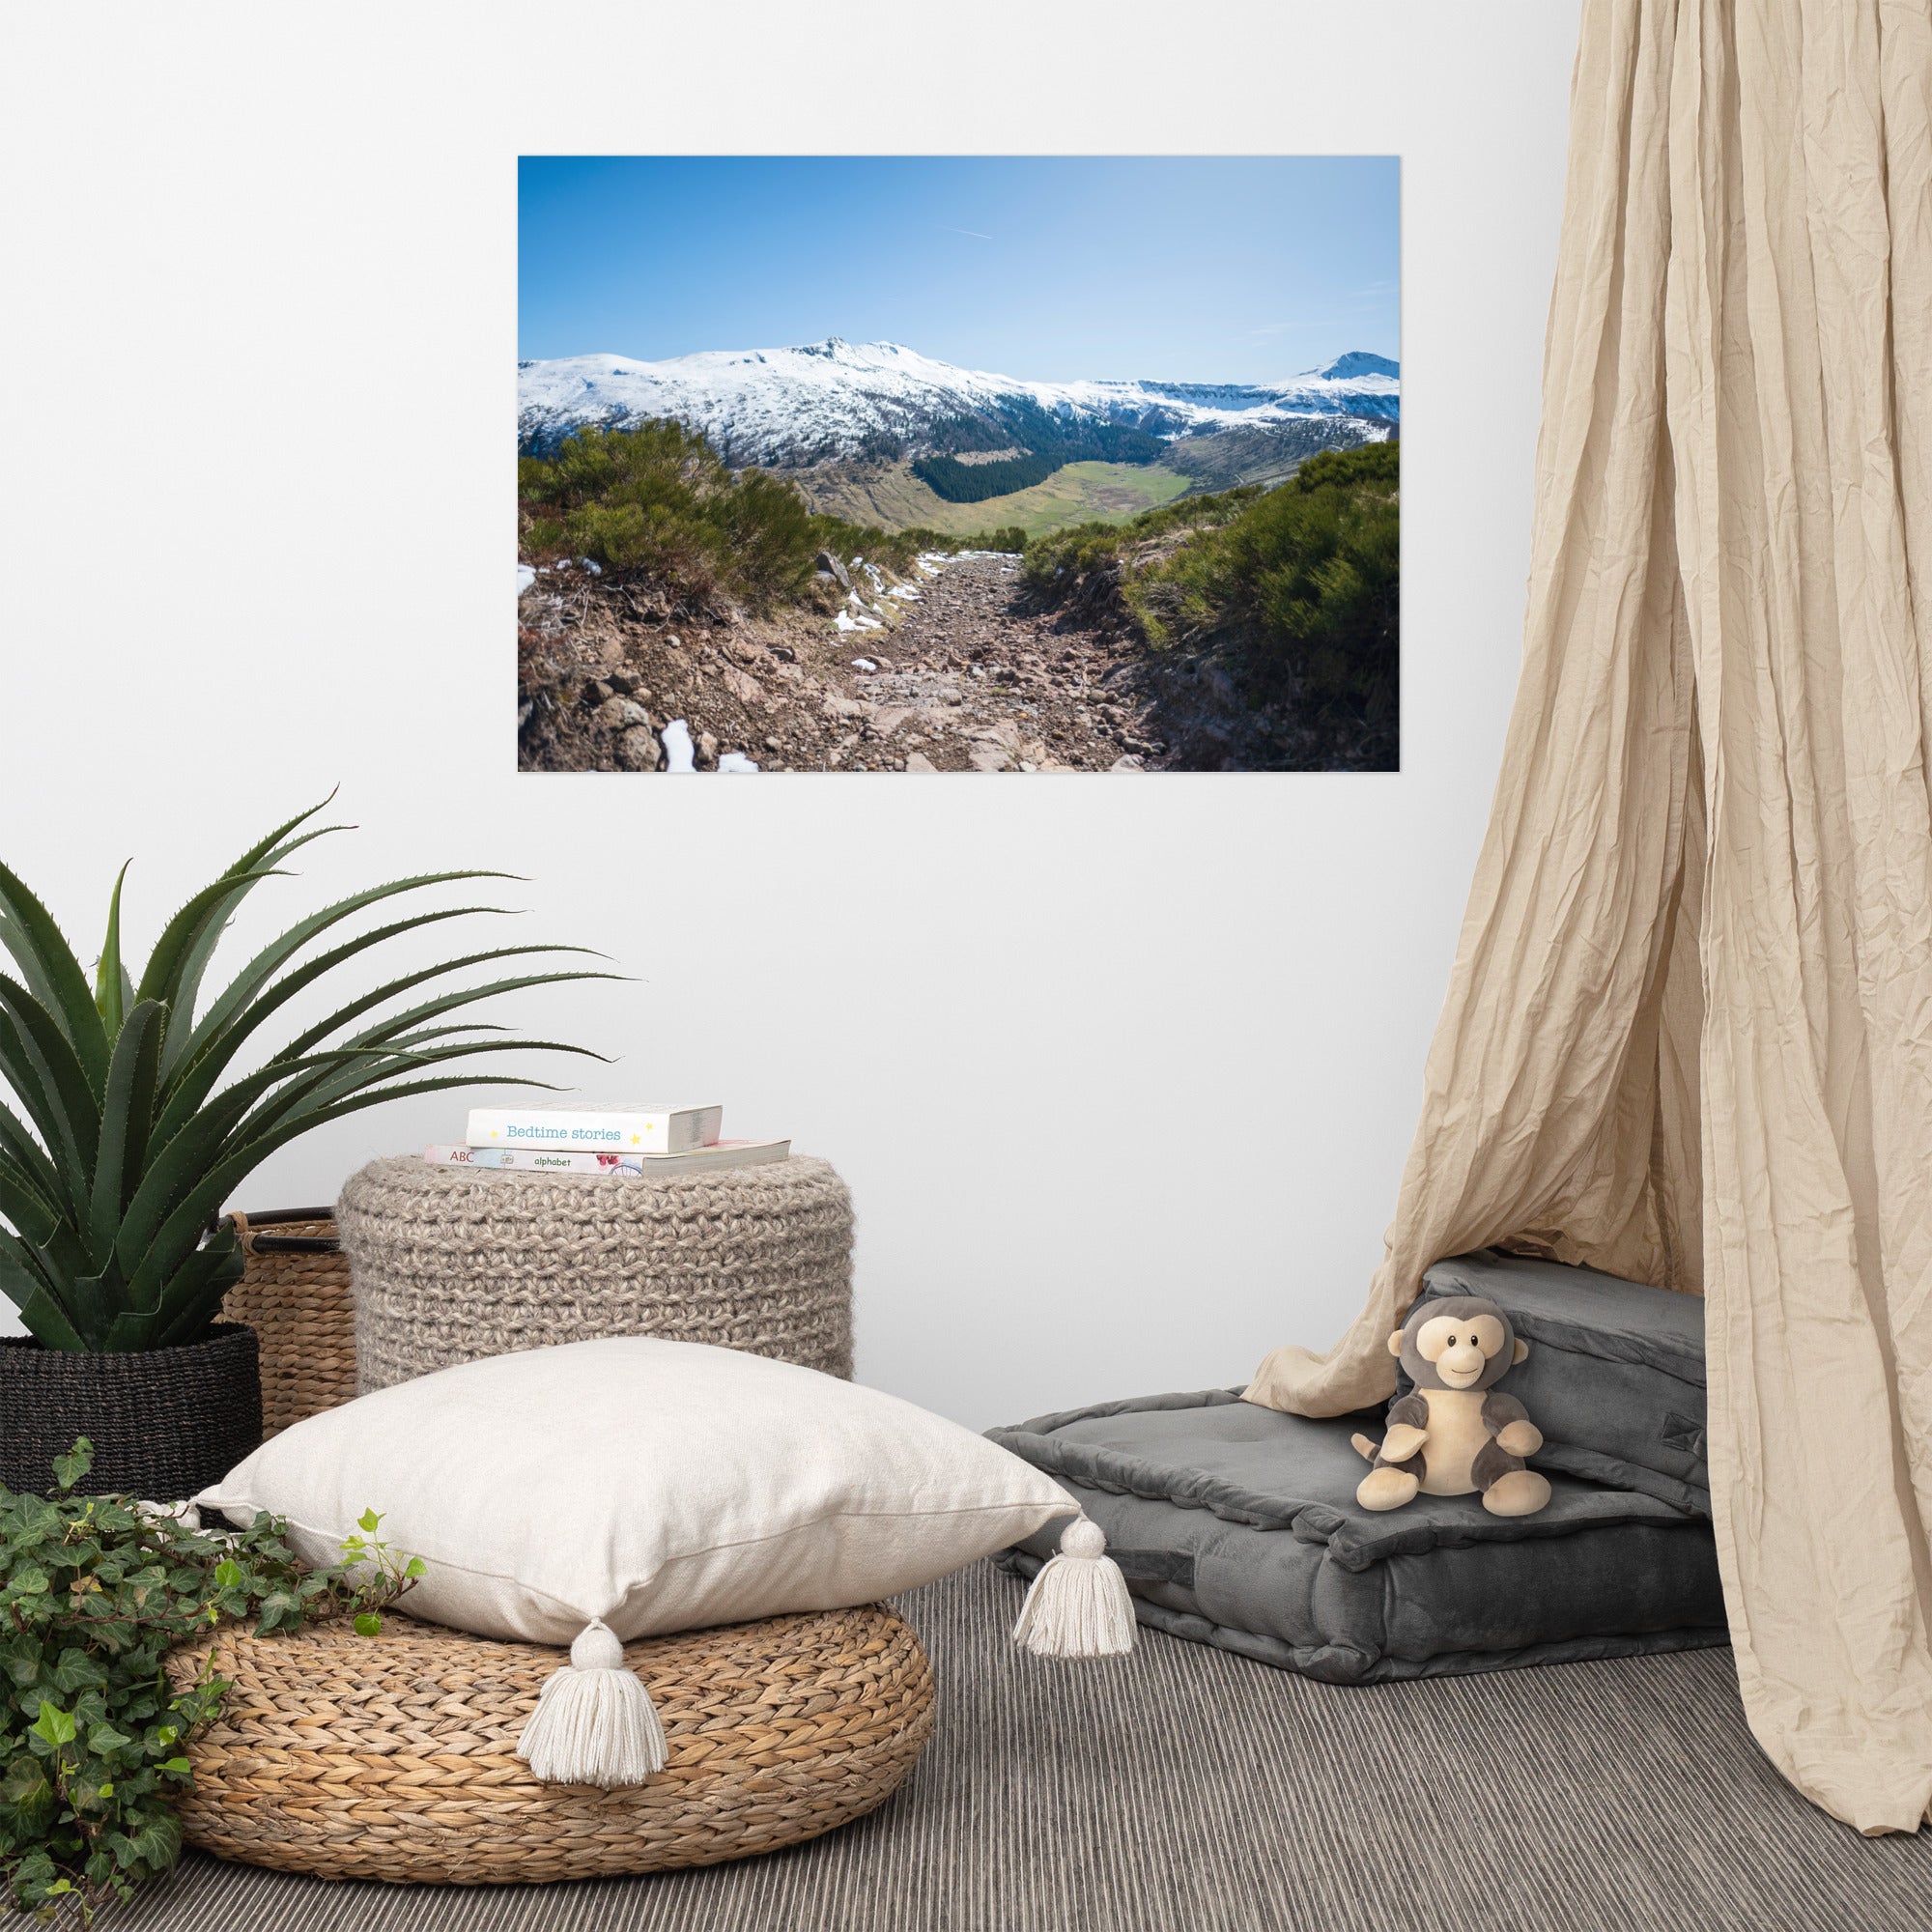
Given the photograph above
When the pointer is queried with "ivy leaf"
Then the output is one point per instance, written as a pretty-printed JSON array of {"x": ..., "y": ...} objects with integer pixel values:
[
  {"x": 415, "y": 1567},
  {"x": 368, "y": 1522},
  {"x": 74, "y": 1670},
  {"x": 53, "y": 1725},
  {"x": 155, "y": 1845},
  {"x": 176, "y": 1767},
  {"x": 228, "y": 1574},
  {"x": 368, "y": 1624},
  {"x": 103, "y": 1738},
  {"x": 24, "y": 1783},
  {"x": 69, "y": 1468},
  {"x": 83, "y": 1794},
  {"x": 21, "y": 1661}
]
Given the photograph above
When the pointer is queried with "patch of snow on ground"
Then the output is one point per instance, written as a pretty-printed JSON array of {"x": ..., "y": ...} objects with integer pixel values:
[
  {"x": 525, "y": 577},
  {"x": 678, "y": 746},
  {"x": 735, "y": 762},
  {"x": 906, "y": 592},
  {"x": 595, "y": 569},
  {"x": 845, "y": 621},
  {"x": 864, "y": 664}
]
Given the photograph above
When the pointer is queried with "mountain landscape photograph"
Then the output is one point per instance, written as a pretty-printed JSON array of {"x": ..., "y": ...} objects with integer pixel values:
[{"x": 1016, "y": 483}]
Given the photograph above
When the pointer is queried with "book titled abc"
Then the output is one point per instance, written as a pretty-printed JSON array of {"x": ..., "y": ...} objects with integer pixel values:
[{"x": 557, "y": 1160}]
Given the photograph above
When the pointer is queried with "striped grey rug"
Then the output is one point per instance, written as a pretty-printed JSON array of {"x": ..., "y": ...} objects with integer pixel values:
[{"x": 1185, "y": 1790}]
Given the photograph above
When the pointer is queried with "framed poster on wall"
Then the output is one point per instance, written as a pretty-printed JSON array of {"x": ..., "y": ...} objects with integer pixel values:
[{"x": 974, "y": 465}]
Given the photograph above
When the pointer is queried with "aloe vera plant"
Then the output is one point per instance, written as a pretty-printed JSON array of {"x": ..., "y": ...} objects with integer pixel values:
[{"x": 124, "y": 1141}]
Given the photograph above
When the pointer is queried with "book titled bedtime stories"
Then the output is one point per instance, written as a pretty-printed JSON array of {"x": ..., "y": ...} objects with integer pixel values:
[{"x": 596, "y": 1129}]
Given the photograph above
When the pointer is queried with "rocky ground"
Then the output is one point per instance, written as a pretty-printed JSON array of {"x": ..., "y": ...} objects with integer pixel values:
[{"x": 947, "y": 671}]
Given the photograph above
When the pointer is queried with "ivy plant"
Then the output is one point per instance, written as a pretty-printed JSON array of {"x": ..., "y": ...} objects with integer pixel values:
[{"x": 95, "y": 1591}]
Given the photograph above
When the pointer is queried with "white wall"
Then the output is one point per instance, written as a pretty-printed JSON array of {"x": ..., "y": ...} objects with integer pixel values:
[{"x": 1121, "y": 1071}]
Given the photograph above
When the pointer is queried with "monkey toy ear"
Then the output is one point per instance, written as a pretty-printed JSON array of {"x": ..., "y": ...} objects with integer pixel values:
[
  {"x": 1522, "y": 1353},
  {"x": 1395, "y": 1342}
]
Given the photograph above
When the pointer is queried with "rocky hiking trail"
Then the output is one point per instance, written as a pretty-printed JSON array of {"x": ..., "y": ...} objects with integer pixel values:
[{"x": 945, "y": 672}]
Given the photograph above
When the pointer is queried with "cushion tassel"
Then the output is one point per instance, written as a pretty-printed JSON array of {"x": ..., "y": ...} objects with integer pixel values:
[
  {"x": 594, "y": 1722},
  {"x": 1078, "y": 1605}
]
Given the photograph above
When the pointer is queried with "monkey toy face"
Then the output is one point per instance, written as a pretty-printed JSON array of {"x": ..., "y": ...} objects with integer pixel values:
[{"x": 1456, "y": 1342}]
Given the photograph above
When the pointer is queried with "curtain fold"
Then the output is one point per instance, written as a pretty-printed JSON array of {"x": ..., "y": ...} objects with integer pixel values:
[{"x": 1688, "y": 1032}]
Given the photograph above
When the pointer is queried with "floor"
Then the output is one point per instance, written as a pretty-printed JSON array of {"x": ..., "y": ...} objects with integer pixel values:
[{"x": 1184, "y": 1790}]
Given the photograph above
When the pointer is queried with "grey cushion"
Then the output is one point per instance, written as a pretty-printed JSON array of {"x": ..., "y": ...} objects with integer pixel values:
[
  {"x": 1238, "y": 1526},
  {"x": 1615, "y": 1375}
]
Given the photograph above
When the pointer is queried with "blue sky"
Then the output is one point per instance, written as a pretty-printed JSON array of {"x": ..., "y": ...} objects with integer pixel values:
[{"x": 1228, "y": 269}]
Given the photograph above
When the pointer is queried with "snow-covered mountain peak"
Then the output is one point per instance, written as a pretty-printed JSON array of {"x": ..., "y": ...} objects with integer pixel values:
[
  {"x": 1356, "y": 363},
  {"x": 833, "y": 400}
]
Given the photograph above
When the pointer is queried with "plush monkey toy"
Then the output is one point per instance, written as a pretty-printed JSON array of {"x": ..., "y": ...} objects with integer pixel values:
[{"x": 1449, "y": 1437}]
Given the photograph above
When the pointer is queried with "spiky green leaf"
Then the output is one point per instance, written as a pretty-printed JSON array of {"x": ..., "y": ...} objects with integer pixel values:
[
  {"x": 110, "y": 976},
  {"x": 127, "y": 1112},
  {"x": 40, "y": 1065},
  {"x": 266, "y": 856},
  {"x": 47, "y": 965},
  {"x": 273, "y": 958}
]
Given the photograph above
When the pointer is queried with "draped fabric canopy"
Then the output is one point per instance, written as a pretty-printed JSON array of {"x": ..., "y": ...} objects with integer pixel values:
[{"x": 1688, "y": 1032}]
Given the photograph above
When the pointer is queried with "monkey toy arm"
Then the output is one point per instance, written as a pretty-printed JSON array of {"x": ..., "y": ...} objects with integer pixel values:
[
  {"x": 1508, "y": 1421},
  {"x": 1407, "y": 1430}
]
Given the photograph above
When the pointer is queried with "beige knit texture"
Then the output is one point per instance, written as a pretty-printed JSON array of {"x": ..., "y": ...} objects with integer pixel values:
[{"x": 451, "y": 1264}]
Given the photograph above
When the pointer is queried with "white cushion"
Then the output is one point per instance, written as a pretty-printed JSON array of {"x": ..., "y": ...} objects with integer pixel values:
[{"x": 655, "y": 1485}]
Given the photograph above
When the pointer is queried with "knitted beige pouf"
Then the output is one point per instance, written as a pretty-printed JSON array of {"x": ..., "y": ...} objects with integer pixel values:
[
  {"x": 394, "y": 1756},
  {"x": 453, "y": 1263}
]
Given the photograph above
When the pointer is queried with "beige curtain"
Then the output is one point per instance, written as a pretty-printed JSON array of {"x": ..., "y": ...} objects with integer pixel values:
[{"x": 1688, "y": 1032}]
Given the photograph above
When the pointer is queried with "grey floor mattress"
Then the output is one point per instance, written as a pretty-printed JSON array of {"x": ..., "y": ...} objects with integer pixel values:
[
  {"x": 1615, "y": 1375},
  {"x": 1238, "y": 1526}
]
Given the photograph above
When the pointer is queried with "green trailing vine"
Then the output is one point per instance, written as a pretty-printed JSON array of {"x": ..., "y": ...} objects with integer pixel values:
[{"x": 95, "y": 1591}]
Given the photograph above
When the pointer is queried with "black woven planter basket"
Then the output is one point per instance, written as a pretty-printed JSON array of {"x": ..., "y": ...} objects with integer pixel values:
[{"x": 164, "y": 1423}]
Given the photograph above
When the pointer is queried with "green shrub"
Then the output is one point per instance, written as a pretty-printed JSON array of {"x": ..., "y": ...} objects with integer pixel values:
[
  {"x": 1055, "y": 560},
  {"x": 656, "y": 502},
  {"x": 1308, "y": 576},
  {"x": 95, "y": 1591}
]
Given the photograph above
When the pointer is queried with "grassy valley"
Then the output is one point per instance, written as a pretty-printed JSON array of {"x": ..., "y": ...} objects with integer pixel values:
[
  {"x": 889, "y": 496},
  {"x": 897, "y": 494}
]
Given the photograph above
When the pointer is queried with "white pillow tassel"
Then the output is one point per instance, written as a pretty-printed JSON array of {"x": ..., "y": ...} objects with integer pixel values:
[
  {"x": 1079, "y": 1605},
  {"x": 594, "y": 1722}
]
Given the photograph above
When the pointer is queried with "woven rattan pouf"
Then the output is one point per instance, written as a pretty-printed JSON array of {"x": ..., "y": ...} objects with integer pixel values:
[
  {"x": 394, "y": 1756},
  {"x": 451, "y": 1264}
]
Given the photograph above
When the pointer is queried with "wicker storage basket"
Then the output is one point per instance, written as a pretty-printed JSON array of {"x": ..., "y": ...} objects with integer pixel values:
[
  {"x": 296, "y": 1296},
  {"x": 394, "y": 1756}
]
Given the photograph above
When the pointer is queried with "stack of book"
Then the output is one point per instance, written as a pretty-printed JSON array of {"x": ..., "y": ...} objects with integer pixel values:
[{"x": 613, "y": 1140}]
